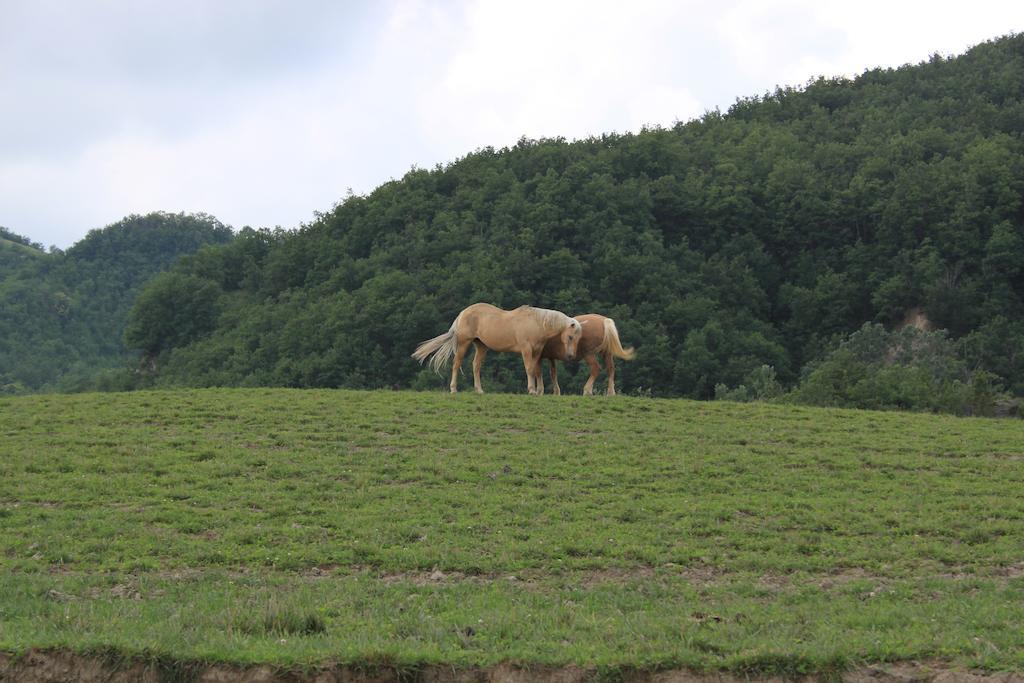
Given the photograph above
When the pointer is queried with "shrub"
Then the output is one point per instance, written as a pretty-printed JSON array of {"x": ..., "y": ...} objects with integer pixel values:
[
  {"x": 760, "y": 385},
  {"x": 907, "y": 369}
]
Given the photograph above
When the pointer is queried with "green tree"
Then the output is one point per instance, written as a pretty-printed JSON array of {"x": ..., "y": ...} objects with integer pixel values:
[{"x": 173, "y": 310}]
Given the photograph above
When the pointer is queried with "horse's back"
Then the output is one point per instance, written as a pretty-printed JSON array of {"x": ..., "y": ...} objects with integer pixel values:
[
  {"x": 493, "y": 326},
  {"x": 480, "y": 309},
  {"x": 475, "y": 315},
  {"x": 593, "y": 332}
]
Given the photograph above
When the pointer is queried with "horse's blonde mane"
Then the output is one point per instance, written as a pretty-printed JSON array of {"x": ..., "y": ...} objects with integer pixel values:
[{"x": 549, "y": 319}]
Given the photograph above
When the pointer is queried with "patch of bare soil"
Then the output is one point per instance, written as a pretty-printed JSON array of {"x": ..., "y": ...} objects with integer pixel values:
[
  {"x": 698, "y": 575},
  {"x": 587, "y": 578},
  {"x": 38, "y": 666}
]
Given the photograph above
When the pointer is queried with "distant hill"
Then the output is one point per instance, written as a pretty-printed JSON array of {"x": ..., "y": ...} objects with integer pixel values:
[
  {"x": 62, "y": 314},
  {"x": 11, "y": 236},
  {"x": 16, "y": 250},
  {"x": 762, "y": 236}
]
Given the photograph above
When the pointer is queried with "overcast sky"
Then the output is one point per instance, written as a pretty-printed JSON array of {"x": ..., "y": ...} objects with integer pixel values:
[{"x": 262, "y": 112}]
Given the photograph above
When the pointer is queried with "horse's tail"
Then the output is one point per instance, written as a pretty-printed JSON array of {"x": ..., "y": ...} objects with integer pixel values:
[
  {"x": 441, "y": 347},
  {"x": 611, "y": 342}
]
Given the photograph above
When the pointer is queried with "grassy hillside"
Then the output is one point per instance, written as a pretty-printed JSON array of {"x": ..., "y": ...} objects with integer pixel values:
[
  {"x": 12, "y": 251},
  {"x": 300, "y": 527}
]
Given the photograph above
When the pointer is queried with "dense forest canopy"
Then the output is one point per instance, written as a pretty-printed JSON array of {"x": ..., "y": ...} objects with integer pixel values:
[
  {"x": 62, "y": 313},
  {"x": 759, "y": 247},
  {"x": 758, "y": 237}
]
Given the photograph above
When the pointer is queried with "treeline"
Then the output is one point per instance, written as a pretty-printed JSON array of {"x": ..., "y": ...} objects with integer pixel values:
[
  {"x": 741, "y": 253},
  {"x": 63, "y": 313},
  {"x": 760, "y": 237}
]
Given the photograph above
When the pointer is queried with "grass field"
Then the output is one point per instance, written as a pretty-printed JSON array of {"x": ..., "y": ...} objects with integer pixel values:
[{"x": 301, "y": 527}]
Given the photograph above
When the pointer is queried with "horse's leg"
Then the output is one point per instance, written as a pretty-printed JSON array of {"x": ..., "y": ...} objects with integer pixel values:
[
  {"x": 609, "y": 366},
  {"x": 531, "y": 363},
  {"x": 538, "y": 373},
  {"x": 460, "y": 352},
  {"x": 595, "y": 370},
  {"x": 527, "y": 363},
  {"x": 478, "y": 360},
  {"x": 555, "y": 389}
]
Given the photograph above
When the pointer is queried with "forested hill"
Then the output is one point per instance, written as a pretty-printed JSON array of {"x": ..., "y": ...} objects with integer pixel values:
[
  {"x": 62, "y": 314},
  {"x": 762, "y": 236}
]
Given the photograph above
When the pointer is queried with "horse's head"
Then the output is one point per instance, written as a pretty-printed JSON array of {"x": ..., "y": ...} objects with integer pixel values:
[{"x": 571, "y": 337}]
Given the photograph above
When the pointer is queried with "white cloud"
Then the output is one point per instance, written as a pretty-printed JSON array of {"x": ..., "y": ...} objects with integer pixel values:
[
  {"x": 883, "y": 33},
  {"x": 787, "y": 42},
  {"x": 571, "y": 69}
]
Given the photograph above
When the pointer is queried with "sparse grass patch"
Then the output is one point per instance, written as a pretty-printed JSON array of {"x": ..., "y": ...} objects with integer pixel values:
[{"x": 284, "y": 621}]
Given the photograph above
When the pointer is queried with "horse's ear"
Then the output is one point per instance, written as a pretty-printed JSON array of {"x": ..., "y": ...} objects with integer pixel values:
[{"x": 582, "y": 322}]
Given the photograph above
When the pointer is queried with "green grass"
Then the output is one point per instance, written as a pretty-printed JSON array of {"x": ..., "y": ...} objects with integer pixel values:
[
  {"x": 13, "y": 253},
  {"x": 303, "y": 527}
]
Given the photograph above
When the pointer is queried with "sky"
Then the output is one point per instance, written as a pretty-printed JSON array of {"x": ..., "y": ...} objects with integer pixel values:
[{"x": 264, "y": 113}]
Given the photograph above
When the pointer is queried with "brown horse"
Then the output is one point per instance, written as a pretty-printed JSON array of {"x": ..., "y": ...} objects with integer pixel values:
[
  {"x": 525, "y": 330},
  {"x": 599, "y": 336}
]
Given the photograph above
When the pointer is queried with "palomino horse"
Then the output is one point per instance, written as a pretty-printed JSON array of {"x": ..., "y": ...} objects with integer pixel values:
[
  {"x": 599, "y": 336},
  {"x": 525, "y": 330}
]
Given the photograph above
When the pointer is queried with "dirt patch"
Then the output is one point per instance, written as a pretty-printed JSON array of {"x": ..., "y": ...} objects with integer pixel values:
[
  {"x": 1013, "y": 571},
  {"x": 65, "y": 666},
  {"x": 528, "y": 578},
  {"x": 438, "y": 577},
  {"x": 595, "y": 577},
  {"x": 926, "y": 673},
  {"x": 696, "y": 575},
  {"x": 42, "y": 666},
  {"x": 916, "y": 318}
]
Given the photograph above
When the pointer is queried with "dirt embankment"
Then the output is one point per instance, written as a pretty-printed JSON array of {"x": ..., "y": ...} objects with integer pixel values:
[{"x": 45, "y": 666}]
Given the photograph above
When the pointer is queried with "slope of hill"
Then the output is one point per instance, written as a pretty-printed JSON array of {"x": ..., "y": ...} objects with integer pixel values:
[
  {"x": 16, "y": 250},
  {"x": 762, "y": 236},
  {"x": 402, "y": 529},
  {"x": 62, "y": 314}
]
